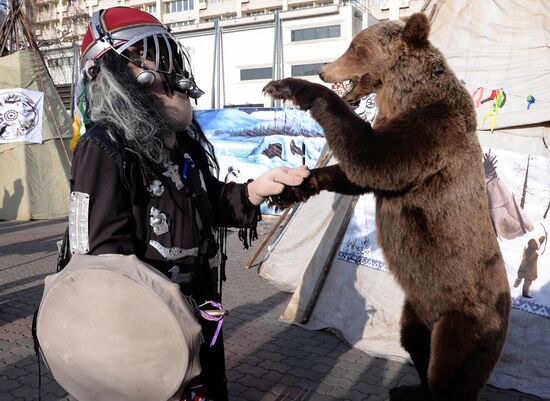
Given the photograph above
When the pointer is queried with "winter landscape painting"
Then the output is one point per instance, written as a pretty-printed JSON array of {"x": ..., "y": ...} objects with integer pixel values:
[{"x": 250, "y": 141}]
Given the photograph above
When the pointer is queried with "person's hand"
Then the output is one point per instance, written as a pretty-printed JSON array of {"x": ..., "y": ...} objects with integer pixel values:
[{"x": 273, "y": 182}]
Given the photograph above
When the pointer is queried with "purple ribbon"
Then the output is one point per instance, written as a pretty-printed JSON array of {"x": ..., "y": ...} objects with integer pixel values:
[{"x": 210, "y": 317}]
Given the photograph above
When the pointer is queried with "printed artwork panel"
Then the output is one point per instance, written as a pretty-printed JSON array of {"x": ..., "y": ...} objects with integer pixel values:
[
  {"x": 21, "y": 112},
  {"x": 520, "y": 217}
]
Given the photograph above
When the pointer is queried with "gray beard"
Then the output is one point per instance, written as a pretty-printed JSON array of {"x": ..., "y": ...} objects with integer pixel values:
[{"x": 117, "y": 102}]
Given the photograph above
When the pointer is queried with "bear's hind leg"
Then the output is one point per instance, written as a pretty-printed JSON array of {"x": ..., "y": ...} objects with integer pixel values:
[
  {"x": 415, "y": 338},
  {"x": 464, "y": 352}
]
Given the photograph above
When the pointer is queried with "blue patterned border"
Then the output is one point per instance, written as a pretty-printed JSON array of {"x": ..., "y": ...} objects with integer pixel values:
[
  {"x": 531, "y": 307},
  {"x": 361, "y": 260}
]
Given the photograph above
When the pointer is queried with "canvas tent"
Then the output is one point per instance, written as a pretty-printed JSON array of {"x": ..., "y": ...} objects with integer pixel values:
[
  {"x": 35, "y": 130},
  {"x": 500, "y": 44},
  {"x": 337, "y": 273}
]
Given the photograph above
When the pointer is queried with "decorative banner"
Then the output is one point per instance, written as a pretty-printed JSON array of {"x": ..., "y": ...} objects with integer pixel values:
[{"x": 21, "y": 112}]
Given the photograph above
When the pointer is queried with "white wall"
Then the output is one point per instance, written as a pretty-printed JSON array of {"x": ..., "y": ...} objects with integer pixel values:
[{"x": 252, "y": 47}]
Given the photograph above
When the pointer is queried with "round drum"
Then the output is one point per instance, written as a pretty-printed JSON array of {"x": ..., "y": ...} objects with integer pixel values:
[{"x": 111, "y": 327}]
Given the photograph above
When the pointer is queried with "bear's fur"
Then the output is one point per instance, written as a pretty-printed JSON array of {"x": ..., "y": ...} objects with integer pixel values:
[{"x": 422, "y": 160}]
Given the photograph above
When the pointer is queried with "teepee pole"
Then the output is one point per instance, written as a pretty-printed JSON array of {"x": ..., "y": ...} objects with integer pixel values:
[
  {"x": 323, "y": 160},
  {"x": 328, "y": 262}
]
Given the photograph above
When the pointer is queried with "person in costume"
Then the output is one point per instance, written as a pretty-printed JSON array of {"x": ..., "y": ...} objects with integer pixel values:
[
  {"x": 143, "y": 175},
  {"x": 527, "y": 271}
]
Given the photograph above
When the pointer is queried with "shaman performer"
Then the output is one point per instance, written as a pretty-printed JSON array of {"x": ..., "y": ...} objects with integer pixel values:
[{"x": 144, "y": 169}]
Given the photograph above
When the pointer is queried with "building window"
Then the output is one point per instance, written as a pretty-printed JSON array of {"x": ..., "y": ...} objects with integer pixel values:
[
  {"x": 322, "y": 32},
  {"x": 302, "y": 6},
  {"x": 255, "y": 13},
  {"x": 304, "y": 70},
  {"x": 179, "y": 24},
  {"x": 60, "y": 62},
  {"x": 151, "y": 8},
  {"x": 179, "y": 6},
  {"x": 256, "y": 73}
]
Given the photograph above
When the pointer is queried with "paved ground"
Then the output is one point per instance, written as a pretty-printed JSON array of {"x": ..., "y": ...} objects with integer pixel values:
[{"x": 266, "y": 359}]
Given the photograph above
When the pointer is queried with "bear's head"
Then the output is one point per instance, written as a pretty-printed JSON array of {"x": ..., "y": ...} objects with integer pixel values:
[{"x": 375, "y": 53}]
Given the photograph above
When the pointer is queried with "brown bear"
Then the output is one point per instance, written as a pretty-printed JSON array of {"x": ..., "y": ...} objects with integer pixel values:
[{"x": 422, "y": 160}]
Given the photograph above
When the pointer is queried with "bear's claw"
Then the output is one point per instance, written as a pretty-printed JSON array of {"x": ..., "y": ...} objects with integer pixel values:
[
  {"x": 296, "y": 90},
  {"x": 288, "y": 197}
]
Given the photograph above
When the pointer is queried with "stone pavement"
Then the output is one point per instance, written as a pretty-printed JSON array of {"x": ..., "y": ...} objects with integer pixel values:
[{"x": 266, "y": 360}]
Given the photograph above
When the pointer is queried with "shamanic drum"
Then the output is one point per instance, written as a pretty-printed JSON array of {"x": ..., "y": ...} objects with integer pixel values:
[{"x": 112, "y": 328}]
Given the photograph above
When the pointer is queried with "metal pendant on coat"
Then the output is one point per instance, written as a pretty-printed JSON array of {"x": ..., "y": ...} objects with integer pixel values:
[
  {"x": 155, "y": 188},
  {"x": 172, "y": 171},
  {"x": 159, "y": 222}
]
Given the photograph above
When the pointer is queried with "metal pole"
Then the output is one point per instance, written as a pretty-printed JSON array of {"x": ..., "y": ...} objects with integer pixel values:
[
  {"x": 275, "y": 57},
  {"x": 277, "y": 69},
  {"x": 215, "y": 64},
  {"x": 281, "y": 55},
  {"x": 74, "y": 77},
  {"x": 218, "y": 65},
  {"x": 222, "y": 67}
]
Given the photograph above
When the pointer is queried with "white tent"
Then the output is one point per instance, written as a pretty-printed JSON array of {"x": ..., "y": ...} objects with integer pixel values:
[
  {"x": 35, "y": 130},
  {"x": 337, "y": 272},
  {"x": 501, "y": 44}
]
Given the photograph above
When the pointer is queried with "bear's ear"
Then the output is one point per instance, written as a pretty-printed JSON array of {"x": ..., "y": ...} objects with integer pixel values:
[{"x": 416, "y": 31}]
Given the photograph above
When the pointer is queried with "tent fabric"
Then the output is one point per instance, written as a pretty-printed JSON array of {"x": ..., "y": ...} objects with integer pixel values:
[
  {"x": 496, "y": 44},
  {"x": 35, "y": 177},
  {"x": 362, "y": 304},
  {"x": 533, "y": 140},
  {"x": 322, "y": 222},
  {"x": 111, "y": 327},
  {"x": 524, "y": 362}
]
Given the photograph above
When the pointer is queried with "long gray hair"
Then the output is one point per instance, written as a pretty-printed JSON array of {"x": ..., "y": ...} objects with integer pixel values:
[{"x": 116, "y": 101}]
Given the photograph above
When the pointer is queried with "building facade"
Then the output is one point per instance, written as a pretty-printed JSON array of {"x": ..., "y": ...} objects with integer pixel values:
[{"x": 311, "y": 33}]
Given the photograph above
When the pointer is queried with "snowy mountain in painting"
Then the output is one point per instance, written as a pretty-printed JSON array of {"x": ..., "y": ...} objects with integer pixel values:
[
  {"x": 294, "y": 120},
  {"x": 253, "y": 122},
  {"x": 225, "y": 120}
]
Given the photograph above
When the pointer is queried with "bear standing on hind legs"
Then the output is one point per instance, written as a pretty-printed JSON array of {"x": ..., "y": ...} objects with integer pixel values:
[{"x": 422, "y": 160}]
